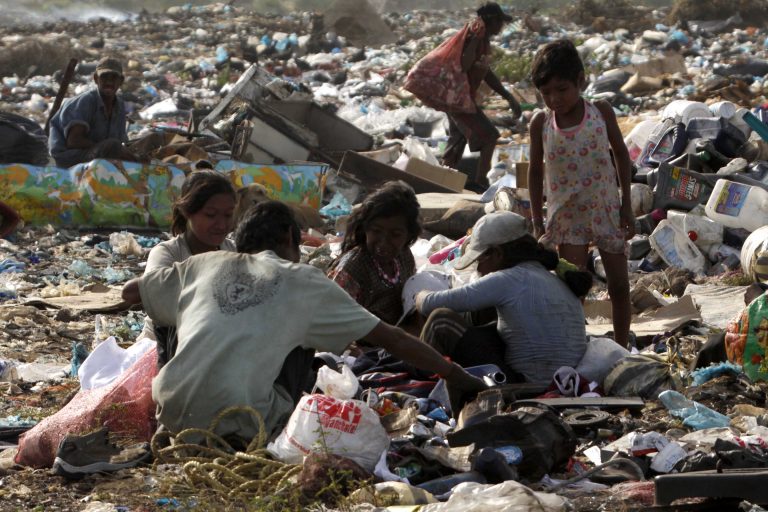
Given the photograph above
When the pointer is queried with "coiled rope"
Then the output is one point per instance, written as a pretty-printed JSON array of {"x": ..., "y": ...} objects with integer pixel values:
[{"x": 218, "y": 465}]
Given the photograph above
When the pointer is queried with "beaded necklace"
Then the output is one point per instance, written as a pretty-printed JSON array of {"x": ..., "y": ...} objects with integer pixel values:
[{"x": 388, "y": 281}]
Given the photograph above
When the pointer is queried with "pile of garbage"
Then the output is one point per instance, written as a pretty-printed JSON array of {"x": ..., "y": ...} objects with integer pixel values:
[{"x": 251, "y": 95}]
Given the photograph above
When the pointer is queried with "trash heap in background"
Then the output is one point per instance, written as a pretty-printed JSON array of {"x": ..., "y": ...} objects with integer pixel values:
[{"x": 248, "y": 92}]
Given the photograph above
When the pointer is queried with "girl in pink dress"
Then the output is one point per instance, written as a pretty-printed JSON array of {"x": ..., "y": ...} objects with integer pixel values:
[{"x": 571, "y": 163}]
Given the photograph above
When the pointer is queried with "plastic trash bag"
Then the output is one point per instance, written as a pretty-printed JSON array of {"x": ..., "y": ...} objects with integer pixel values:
[
  {"x": 125, "y": 407},
  {"x": 643, "y": 375},
  {"x": 427, "y": 280},
  {"x": 338, "y": 207},
  {"x": 694, "y": 414},
  {"x": 438, "y": 80},
  {"x": 338, "y": 385},
  {"x": 326, "y": 424},
  {"x": 509, "y": 496},
  {"x": 599, "y": 358}
]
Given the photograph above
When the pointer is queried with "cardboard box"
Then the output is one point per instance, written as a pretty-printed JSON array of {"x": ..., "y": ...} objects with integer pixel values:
[
  {"x": 448, "y": 178},
  {"x": 372, "y": 174}
]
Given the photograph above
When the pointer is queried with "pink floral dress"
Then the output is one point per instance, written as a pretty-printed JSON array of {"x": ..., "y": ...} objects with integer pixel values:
[{"x": 583, "y": 199}]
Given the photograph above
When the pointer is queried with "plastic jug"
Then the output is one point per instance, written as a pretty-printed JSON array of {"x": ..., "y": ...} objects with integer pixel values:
[
  {"x": 675, "y": 187},
  {"x": 676, "y": 249},
  {"x": 738, "y": 205},
  {"x": 667, "y": 140},
  {"x": 703, "y": 231}
]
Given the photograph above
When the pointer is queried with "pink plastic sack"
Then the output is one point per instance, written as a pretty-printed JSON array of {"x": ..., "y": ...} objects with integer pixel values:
[
  {"x": 125, "y": 407},
  {"x": 438, "y": 80}
]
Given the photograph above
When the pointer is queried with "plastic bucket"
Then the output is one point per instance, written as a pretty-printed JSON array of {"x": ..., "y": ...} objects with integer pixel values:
[
  {"x": 754, "y": 254},
  {"x": 684, "y": 110}
]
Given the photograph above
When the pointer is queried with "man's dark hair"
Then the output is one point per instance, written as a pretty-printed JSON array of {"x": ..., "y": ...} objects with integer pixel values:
[
  {"x": 558, "y": 59},
  {"x": 264, "y": 226}
]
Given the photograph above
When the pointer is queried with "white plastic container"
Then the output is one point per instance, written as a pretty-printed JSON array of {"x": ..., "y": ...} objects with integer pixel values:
[
  {"x": 703, "y": 231},
  {"x": 724, "y": 109},
  {"x": 676, "y": 249},
  {"x": 638, "y": 137},
  {"x": 720, "y": 252},
  {"x": 641, "y": 196},
  {"x": 684, "y": 110},
  {"x": 755, "y": 247},
  {"x": 737, "y": 205}
]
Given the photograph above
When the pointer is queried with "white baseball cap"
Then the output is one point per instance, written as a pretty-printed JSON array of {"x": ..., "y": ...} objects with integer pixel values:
[{"x": 492, "y": 229}]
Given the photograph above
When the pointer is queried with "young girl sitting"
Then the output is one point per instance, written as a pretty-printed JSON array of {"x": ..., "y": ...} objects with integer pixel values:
[
  {"x": 376, "y": 257},
  {"x": 202, "y": 217},
  {"x": 572, "y": 140}
]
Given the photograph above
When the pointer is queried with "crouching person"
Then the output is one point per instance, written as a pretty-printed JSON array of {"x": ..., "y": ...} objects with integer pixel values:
[
  {"x": 248, "y": 324},
  {"x": 540, "y": 324}
]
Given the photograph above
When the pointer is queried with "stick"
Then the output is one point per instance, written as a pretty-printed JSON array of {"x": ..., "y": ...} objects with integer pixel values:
[{"x": 69, "y": 74}]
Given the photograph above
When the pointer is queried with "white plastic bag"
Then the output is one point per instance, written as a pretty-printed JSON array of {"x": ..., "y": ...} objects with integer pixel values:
[
  {"x": 509, "y": 496},
  {"x": 338, "y": 385},
  {"x": 322, "y": 423},
  {"x": 599, "y": 358},
  {"x": 123, "y": 243}
]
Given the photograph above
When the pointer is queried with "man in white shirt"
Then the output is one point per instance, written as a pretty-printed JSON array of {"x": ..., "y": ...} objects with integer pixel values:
[{"x": 245, "y": 321}]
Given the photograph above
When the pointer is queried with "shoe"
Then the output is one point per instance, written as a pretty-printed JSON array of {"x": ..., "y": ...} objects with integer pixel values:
[{"x": 80, "y": 455}]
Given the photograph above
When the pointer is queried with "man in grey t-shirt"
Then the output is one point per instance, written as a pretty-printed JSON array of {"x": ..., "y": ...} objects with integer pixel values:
[{"x": 245, "y": 323}]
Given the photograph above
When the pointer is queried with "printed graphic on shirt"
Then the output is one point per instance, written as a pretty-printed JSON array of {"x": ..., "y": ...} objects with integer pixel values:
[{"x": 236, "y": 289}]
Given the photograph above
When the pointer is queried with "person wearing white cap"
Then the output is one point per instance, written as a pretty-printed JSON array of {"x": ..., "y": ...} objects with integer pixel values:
[
  {"x": 540, "y": 324},
  {"x": 92, "y": 124}
]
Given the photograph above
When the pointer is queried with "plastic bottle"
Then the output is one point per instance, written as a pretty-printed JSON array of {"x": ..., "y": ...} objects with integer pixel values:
[
  {"x": 100, "y": 331},
  {"x": 667, "y": 141},
  {"x": 675, "y": 187},
  {"x": 738, "y": 205},
  {"x": 724, "y": 109},
  {"x": 676, "y": 249},
  {"x": 703, "y": 231}
]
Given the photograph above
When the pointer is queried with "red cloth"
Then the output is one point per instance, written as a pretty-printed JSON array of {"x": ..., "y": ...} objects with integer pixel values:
[{"x": 438, "y": 80}]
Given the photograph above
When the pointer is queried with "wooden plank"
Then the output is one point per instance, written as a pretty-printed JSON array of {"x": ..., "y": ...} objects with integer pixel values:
[{"x": 605, "y": 402}]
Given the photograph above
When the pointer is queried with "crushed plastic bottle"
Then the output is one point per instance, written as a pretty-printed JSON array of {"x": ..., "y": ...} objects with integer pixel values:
[
  {"x": 80, "y": 268},
  {"x": 112, "y": 276}
]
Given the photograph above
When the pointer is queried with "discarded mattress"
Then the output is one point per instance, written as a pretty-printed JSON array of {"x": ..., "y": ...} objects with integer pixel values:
[{"x": 125, "y": 194}]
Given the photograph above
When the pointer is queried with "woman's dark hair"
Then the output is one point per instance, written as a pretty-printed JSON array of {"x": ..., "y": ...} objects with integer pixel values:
[
  {"x": 558, "y": 59},
  {"x": 197, "y": 189},
  {"x": 526, "y": 248},
  {"x": 394, "y": 198},
  {"x": 263, "y": 227}
]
